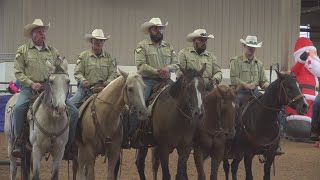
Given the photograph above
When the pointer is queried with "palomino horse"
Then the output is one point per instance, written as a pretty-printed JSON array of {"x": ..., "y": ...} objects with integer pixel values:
[
  {"x": 100, "y": 125},
  {"x": 218, "y": 125},
  {"x": 48, "y": 121},
  {"x": 174, "y": 119},
  {"x": 258, "y": 132}
]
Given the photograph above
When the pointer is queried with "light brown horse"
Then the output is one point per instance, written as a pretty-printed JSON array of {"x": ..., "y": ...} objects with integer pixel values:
[
  {"x": 175, "y": 116},
  {"x": 100, "y": 126},
  {"x": 218, "y": 125}
]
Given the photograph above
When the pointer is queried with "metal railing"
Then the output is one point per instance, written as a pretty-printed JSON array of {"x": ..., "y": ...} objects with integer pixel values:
[{"x": 7, "y": 57}]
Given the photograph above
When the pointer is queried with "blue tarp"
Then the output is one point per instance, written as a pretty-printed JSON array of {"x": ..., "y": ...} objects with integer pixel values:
[{"x": 3, "y": 101}]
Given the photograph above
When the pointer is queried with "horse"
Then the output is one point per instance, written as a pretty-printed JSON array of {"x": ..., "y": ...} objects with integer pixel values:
[
  {"x": 48, "y": 121},
  {"x": 258, "y": 131},
  {"x": 174, "y": 117},
  {"x": 100, "y": 127},
  {"x": 217, "y": 127}
]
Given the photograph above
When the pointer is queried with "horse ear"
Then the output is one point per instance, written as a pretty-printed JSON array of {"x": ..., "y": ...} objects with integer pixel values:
[
  {"x": 203, "y": 69},
  {"x": 280, "y": 75},
  {"x": 50, "y": 66},
  {"x": 124, "y": 74},
  {"x": 64, "y": 65},
  {"x": 183, "y": 70}
]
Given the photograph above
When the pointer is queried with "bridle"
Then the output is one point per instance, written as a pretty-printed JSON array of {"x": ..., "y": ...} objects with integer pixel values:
[{"x": 288, "y": 100}]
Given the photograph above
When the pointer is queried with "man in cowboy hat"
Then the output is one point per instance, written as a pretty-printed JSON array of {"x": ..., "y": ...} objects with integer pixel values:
[
  {"x": 155, "y": 58},
  {"x": 30, "y": 60},
  {"x": 94, "y": 66},
  {"x": 247, "y": 71},
  {"x": 194, "y": 57}
]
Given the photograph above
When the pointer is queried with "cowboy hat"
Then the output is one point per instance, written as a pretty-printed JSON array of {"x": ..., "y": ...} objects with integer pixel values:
[
  {"x": 36, "y": 23},
  {"x": 96, "y": 34},
  {"x": 251, "y": 41},
  {"x": 199, "y": 33},
  {"x": 153, "y": 22}
]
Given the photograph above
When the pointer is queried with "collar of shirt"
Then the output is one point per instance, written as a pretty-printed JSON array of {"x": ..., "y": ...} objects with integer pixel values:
[
  {"x": 91, "y": 53},
  {"x": 206, "y": 53},
  {"x": 151, "y": 43},
  {"x": 32, "y": 45},
  {"x": 245, "y": 59}
]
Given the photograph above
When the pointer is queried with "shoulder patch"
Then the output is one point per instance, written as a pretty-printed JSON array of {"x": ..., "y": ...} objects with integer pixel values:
[
  {"x": 138, "y": 49},
  {"x": 78, "y": 61},
  {"x": 18, "y": 55},
  {"x": 174, "y": 53},
  {"x": 114, "y": 62}
]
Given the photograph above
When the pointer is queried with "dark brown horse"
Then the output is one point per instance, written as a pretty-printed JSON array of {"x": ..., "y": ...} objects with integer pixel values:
[
  {"x": 174, "y": 118},
  {"x": 258, "y": 131},
  {"x": 218, "y": 125}
]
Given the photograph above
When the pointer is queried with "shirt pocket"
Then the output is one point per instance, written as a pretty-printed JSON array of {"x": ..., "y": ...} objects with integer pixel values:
[
  {"x": 167, "y": 57},
  {"x": 245, "y": 72},
  {"x": 92, "y": 66},
  {"x": 151, "y": 58},
  {"x": 104, "y": 69}
]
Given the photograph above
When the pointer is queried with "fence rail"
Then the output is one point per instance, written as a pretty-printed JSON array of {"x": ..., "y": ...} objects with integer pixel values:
[{"x": 7, "y": 57}]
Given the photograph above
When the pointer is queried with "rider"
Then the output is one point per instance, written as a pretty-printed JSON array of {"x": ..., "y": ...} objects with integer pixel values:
[
  {"x": 93, "y": 66},
  {"x": 155, "y": 58},
  {"x": 194, "y": 57},
  {"x": 30, "y": 70},
  {"x": 248, "y": 71}
]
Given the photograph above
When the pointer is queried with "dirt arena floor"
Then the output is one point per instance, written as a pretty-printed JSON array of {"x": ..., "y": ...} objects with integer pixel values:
[{"x": 301, "y": 162}]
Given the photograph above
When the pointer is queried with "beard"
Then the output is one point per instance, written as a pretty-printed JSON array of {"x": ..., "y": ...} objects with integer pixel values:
[
  {"x": 156, "y": 38},
  {"x": 200, "y": 49}
]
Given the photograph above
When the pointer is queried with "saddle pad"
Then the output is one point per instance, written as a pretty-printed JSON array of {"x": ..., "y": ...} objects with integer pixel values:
[
  {"x": 150, "y": 107},
  {"x": 84, "y": 106}
]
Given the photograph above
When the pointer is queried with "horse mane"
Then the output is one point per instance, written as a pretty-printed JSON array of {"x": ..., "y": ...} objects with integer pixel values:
[{"x": 175, "y": 88}]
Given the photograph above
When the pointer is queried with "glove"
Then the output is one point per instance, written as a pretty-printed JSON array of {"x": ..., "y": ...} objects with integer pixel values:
[{"x": 304, "y": 56}]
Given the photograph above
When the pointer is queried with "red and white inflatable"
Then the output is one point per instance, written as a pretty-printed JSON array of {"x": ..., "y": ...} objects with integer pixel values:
[{"x": 307, "y": 71}]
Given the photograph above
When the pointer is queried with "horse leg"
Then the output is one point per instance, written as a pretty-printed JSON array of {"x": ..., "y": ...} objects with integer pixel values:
[
  {"x": 164, "y": 159},
  {"x": 13, "y": 162},
  {"x": 116, "y": 169},
  {"x": 56, "y": 159},
  {"x": 199, "y": 160},
  {"x": 74, "y": 168},
  {"x": 226, "y": 168},
  {"x": 113, "y": 158},
  {"x": 184, "y": 153},
  {"x": 140, "y": 162},
  {"x": 36, "y": 156},
  {"x": 217, "y": 156},
  {"x": 248, "y": 166},
  {"x": 267, "y": 167},
  {"x": 234, "y": 167},
  {"x": 155, "y": 162},
  {"x": 86, "y": 160}
]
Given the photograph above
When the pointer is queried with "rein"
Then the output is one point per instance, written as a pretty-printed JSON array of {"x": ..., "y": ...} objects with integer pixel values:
[{"x": 279, "y": 98}]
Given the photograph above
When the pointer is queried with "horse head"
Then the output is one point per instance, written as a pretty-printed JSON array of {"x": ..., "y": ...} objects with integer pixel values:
[
  {"x": 134, "y": 93},
  {"x": 190, "y": 89},
  {"x": 57, "y": 85},
  {"x": 229, "y": 110},
  {"x": 290, "y": 93}
]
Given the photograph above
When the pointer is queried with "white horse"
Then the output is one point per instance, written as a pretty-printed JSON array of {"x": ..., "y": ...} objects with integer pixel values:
[{"x": 48, "y": 121}]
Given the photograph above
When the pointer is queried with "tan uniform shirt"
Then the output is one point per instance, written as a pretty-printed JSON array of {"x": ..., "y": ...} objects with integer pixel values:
[
  {"x": 150, "y": 57},
  {"x": 93, "y": 69},
  {"x": 30, "y": 64},
  {"x": 195, "y": 61},
  {"x": 244, "y": 71}
]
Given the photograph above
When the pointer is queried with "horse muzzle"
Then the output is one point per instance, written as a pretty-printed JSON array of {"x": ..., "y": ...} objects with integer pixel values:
[
  {"x": 197, "y": 113},
  {"x": 302, "y": 108}
]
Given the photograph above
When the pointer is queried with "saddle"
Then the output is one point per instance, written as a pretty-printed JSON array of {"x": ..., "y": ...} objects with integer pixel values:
[{"x": 143, "y": 135}]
